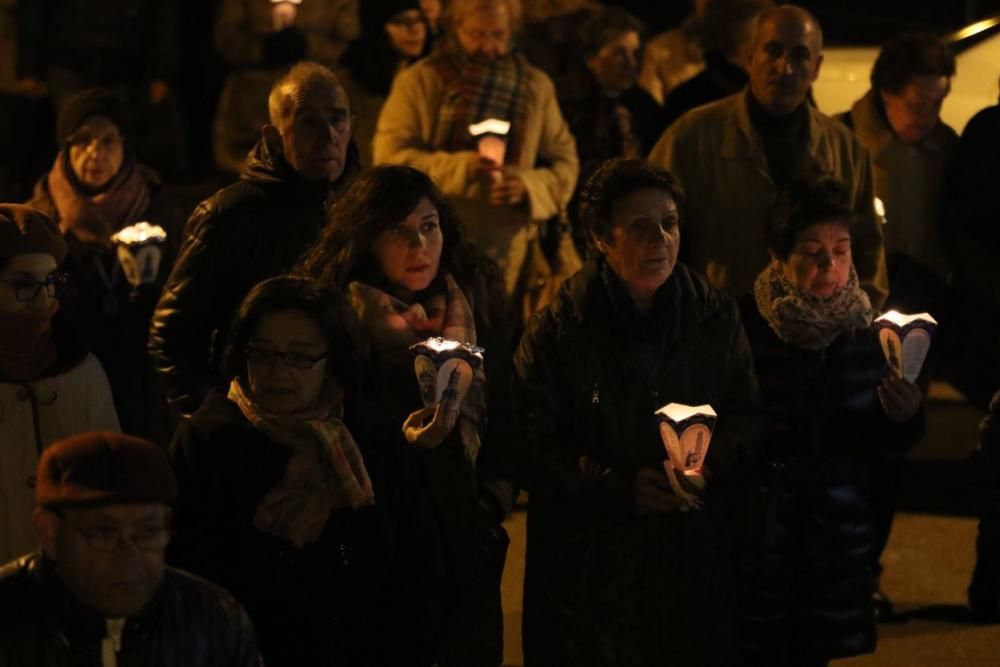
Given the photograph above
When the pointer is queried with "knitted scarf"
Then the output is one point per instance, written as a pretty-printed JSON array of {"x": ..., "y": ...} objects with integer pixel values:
[
  {"x": 95, "y": 217},
  {"x": 26, "y": 344},
  {"x": 475, "y": 91},
  {"x": 394, "y": 326},
  {"x": 326, "y": 471},
  {"x": 806, "y": 320}
]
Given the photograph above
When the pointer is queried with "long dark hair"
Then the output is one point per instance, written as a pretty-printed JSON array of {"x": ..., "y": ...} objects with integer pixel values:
[
  {"x": 378, "y": 200},
  {"x": 328, "y": 308}
]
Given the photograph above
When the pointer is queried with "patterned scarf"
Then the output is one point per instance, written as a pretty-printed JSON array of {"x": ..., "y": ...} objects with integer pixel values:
[
  {"x": 475, "y": 91},
  {"x": 26, "y": 344},
  {"x": 326, "y": 471},
  {"x": 95, "y": 217},
  {"x": 806, "y": 320},
  {"x": 394, "y": 326}
]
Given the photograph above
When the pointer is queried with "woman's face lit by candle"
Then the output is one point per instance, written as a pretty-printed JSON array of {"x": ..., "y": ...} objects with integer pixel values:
[{"x": 819, "y": 262}]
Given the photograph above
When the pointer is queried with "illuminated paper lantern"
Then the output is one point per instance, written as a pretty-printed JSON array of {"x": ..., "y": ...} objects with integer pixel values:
[
  {"x": 445, "y": 367},
  {"x": 491, "y": 138},
  {"x": 686, "y": 431},
  {"x": 140, "y": 251},
  {"x": 905, "y": 341}
]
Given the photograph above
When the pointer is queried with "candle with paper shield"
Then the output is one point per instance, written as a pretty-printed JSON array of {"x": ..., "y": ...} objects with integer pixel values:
[
  {"x": 140, "y": 250},
  {"x": 905, "y": 340},
  {"x": 686, "y": 431},
  {"x": 491, "y": 138},
  {"x": 445, "y": 366}
]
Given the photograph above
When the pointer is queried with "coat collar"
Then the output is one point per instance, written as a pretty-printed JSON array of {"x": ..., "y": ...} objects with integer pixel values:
[
  {"x": 874, "y": 132},
  {"x": 741, "y": 140}
]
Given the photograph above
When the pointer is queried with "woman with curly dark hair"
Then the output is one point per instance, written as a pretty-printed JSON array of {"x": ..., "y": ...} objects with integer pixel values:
[{"x": 395, "y": 247}]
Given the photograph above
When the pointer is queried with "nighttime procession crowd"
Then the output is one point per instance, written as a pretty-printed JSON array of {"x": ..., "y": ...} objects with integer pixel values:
[{"x": 217, "y": 447}]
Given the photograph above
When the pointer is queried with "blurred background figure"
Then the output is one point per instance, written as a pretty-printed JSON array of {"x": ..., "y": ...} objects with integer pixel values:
[
  {"x": 261, "y": 39},
  {"x": 899, "y": 122},
  {"x": 984, "y": 589},
  {"x": 726, "y": 32},
  {"x": 95, "y": 189},
  {"x": 394, "y": 34},
  {"x": 674, "y": 56},
  {"x": 66, "y": 46},
  {"x": 474, "y": 75},
  {"x": 51, "y": 387},
  {"x": 433, "y": 11}
]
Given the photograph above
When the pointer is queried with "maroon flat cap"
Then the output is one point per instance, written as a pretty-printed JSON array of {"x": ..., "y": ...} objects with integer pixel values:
[
  {"x": 25, "y": 230},
  {"x": 104, "y": 469}
]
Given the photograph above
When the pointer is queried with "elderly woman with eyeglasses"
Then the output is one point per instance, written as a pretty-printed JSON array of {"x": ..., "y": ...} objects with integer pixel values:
[
  {"x": 96, "y": 188},
  {"x": 276, "y": 503},
  {"x": 51, "y": 387}
]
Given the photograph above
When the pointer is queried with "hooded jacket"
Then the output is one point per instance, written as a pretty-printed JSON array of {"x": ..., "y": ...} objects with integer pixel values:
[
  {"x": 604, "y": 586},
  {"x": 250, "y": 231}
]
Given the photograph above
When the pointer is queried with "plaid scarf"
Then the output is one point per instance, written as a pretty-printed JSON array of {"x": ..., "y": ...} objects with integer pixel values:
[
  {"x": 475, "y": 91},
  {"x": 394, "y": 326},
  {"x": 806, "y": 320},
  {"x": 326, "y": 471}
]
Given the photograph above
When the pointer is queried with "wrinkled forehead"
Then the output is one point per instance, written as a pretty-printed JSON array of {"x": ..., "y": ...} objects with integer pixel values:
[{"x": 318, "y": 97}]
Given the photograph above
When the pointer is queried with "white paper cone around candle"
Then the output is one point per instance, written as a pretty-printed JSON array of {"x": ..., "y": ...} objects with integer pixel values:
[
  {"x": 905, "y": 341},
  {"x": 140, "y": 251},
  {"x": 491, "y": 139},
  {"x": 686, "y": 431},
  {"x": 445, "y": 366}
]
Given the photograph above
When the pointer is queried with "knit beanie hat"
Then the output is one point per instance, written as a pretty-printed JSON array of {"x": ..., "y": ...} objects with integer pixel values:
[
  {"x": 102, "y": 469},
  {"x": 376, "y": 13},
  {"x": 25, "y": 230},
  {"x": 94, "y": 102}
]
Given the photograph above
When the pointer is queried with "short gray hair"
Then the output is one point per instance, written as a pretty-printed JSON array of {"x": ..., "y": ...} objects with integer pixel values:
[{"x": 302, "y": 76}]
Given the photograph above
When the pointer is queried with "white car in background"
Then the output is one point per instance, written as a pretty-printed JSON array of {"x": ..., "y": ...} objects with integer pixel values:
[{"x": 845, "y": 74}]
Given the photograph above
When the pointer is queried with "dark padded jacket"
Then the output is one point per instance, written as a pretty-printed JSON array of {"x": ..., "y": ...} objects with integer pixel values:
[
  {"x": 250, "y": 231},
  {"x": 604, "y": 586},
  {"x": 807, "y": 568},
  {"x": 188, "y": 622}
]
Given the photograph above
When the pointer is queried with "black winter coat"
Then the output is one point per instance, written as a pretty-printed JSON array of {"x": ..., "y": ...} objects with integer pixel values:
[
  {"x": 807, "y": 569},
  {"x": 604, "y": 586},
  {"x": 447, "y": 510},
  {"x": 250, "y": 231},
  {"x": 112, "y": 318},
  {"x": 188, "y": 622},
  {"x": 311, "y": 605}
]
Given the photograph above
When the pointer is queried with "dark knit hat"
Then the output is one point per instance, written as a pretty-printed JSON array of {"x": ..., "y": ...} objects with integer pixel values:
[
  {"x": 376, "y": 13},
  {"x": 103, "y": 469},
  {"x": 94, "y": 102},
  {"x": 26, "y": 230}
]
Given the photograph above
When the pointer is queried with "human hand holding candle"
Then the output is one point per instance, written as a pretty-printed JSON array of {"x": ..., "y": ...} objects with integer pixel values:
[
  {"x": 687, "y": 433},
  {"x": 444, "y": 369},
  {"x": 900, "y": 399},
  {"x": 509, "y": 190}
]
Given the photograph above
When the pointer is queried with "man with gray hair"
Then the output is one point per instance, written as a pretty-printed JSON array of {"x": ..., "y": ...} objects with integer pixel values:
[
  {"x": 735, "y": 156},
  {"x": 254, "y": 229}
]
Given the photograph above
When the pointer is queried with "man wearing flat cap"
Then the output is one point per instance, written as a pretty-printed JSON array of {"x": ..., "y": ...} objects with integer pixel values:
[{"x": 98, "y": 591}]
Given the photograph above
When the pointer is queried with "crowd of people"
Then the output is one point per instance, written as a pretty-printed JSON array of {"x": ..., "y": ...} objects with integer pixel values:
[{"x": 218, "y": 447}]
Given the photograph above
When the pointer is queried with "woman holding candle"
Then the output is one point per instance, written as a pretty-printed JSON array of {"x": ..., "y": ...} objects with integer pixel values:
[
  {"x": 617, "y": 572},
  {"x": 394, "y": 245},
  {"x": 276, "y": 498},
  {"x": 95, "y": 189},
  {"x": 833, "y": 403}
]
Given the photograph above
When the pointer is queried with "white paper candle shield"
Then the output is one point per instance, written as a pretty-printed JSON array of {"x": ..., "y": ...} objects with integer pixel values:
[
  {"x": 140, "y": 250},
  {"x": 905, "y": 341},
  {"x": 445, "y": 367},
  {"x": 686, "y": 431},
  {"x": 491, "y": 138}
]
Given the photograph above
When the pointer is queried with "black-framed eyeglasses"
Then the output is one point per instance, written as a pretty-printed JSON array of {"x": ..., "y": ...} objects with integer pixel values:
[
  {"x": 262, "y": 356},
  {"x": 26, "y": 289},
  {"x": 106, "y": 539}
]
